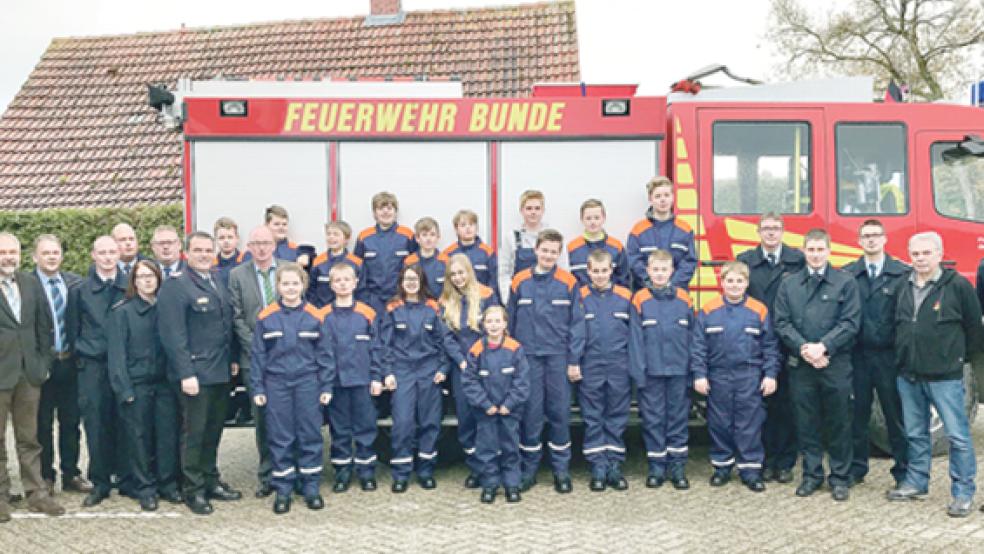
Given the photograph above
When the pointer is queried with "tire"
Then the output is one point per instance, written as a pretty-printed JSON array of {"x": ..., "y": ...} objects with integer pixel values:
[{"x": 879, "y": 434}]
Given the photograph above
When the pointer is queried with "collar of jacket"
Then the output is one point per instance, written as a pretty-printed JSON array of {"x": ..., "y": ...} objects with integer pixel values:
[
  {"x": 142, "y": 305},
  {"x": 652, "y": 219},
  {"x": 668, "y": 291},
  {"x": 545, "y": 275},
  {"x": 96, "y": 282},
  {"x": 891, "y": 266},
  {"x": 807, "y": 273}
]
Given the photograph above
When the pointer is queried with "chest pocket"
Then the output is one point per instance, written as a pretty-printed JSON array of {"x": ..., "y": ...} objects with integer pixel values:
[{"x": 203, "y": 305}]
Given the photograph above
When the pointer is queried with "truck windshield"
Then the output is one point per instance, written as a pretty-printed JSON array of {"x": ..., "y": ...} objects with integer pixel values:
[{"x": 958, "y": 181}]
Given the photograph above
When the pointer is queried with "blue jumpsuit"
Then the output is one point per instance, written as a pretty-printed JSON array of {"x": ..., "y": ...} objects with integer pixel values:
[
  {"x": 286, "y": 250},
  {"x": 292, "y": 364},
  {"x": 483, "y": 260},
  {"x": 416, "y": 341},
  {"x": 674, "y": 236},
  {"x": 382, "y": 252},
  {"x": 577, "y": 256},
  {"x": 497, "y": 376},
  {"x": 353, "y": 334},
  {"x": 604, "y": 391},
  {"x": 660, "y": 361},
  {"x": 734, "y": 347},
  {"x": 319, "y": 291},
  {"x": 433, "y": 267},
  {"x": 545, "y": 315},
  {"x": 466, "y": 337}
]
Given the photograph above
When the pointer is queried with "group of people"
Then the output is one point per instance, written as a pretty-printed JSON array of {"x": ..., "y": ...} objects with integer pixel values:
[{"x": 143, "y": 351}]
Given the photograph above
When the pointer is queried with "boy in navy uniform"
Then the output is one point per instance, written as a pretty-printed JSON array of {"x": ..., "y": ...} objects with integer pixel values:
[
  {"x": 483, "y": 259},
  {"x": 278, "y": 220},
  {"x": 353, "y": 330},
  {"x": 594, "y": 238},
  {"x": 546, "y": 317},
  {"x": 603, "y": 379},
  {"x": 229, "y": 256},
  {"x": 768, "y": 264},
  {"x": 497, "y": 385},
  {"x": 660, "y": 363},
  {"x": 433, "y": 262},
  {"x": 337, "y": 235},
  {"x": 735, "y": 361},
  {"x": 382, "y": 249},
  {"x": 661, "y": 230}
]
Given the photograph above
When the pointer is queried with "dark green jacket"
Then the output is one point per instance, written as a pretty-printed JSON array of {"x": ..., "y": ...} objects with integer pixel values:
[{"x": 934, "y": 343}]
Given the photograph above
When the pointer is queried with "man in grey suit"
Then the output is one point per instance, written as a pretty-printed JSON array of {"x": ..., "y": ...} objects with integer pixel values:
[
  {"x": 252, "y": 286},
  {"x": 25, "y": 355}
]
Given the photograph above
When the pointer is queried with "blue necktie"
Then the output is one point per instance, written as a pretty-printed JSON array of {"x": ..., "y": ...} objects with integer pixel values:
[
  {"x": 58, "y": 302},
  {"x": 872, "y": 271}
]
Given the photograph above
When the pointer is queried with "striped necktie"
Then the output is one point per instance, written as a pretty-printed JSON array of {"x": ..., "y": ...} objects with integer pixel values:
[
  {"x": 58, "y": 303},
  {"x": 13, "y": 299},
  {"x": 268, "y": 295}
]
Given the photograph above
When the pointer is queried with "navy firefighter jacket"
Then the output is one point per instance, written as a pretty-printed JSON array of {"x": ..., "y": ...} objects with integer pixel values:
[
  {"x": 734, "y": 339},
  {"x": 353, "y": 335},
  {"x": 608, "y": 321},
  {"x": 416, "y": 338},
  {"x": 289, "y": 343},
  {"x": 496, "y": 375},
  {"x": 545, "y": 314},
  {"x": 660, "y": 345}
]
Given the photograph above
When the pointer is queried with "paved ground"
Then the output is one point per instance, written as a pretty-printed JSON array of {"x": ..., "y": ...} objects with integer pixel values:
[{"x": 451, "y": 518}]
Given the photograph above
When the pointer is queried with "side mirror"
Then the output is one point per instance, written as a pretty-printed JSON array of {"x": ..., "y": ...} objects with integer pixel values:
[{"x": 973, "y": 145}]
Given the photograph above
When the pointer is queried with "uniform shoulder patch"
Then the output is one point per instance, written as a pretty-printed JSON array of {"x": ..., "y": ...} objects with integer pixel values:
[
  {"x": 682, "y": 225},
  {"x": 355, "y": 260},
  {"x": 405, "y": 231},
  {"x": 242, "y": 256},
  {"x": 585, "y": 291},
  {"x": 394, "y": 304},
  {"x": 451, "y": 249},
  {"x": 411, "y": 259},
  {"x": 476, "y": 348},
  {"x": 641, "y": 296},
  {"x": 365, "y": 311},
  {"x": 757, "y": 307},
  {"x": 320, "y": 259},
  {"x": 442, "y": 257},
  {"x": 641, "y": 227},
  {"x": 318, "y": 314},
  {"x": 271, "y": 309},
  {"x": 484, "y": 291},
  {"x": 520, "y": 277},
  {"x": 713, "y": 304},
  {"x": 215, "y": 261},
  {"x": 623, "y": 292},
  {"x": 367, "y": 232},
  {"x": 564, "y": 277},
  {"x": 434, "y": 305},
  {"x": 575, "y": 244},
  {"x": 326, "y": 311},
  {"x": 486, "y": 248},
  {"x": 292, "y": 245},
  {"x": 614, "y": 243},
  {"x": 683, "y": 295},
  {"x": 510, "y": 344}
]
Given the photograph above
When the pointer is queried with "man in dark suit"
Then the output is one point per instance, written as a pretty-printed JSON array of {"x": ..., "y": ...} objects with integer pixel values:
[
  {"x": 167, "y": 250},
  {"x": 768, "y": 264},
  {"x": 25, "y": 352},
  {"x": 126, "y": 240},
  {"x": 252, "y": 287},
  {"x": 60, "y": 393},
  {"x": 195, "y": 323}
]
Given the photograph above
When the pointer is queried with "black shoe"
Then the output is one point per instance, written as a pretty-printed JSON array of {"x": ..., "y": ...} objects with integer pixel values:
[
  {"x": 172, "y": 496},
  {"x": 720, "y": 478},
  {"x": 784, "y": 476},
  {"x": 755, "y": 485},
  {"x": 770, "y": 474},
  {"x": 94, "y": 498},
  {"x": 840, "y": 493},
  {"x": 223, "y": 492},
  {"x": 281, "y": 504},
  {"x": 807, "y": 488},
  {"x": 512, "y": 495},
  {"x": 340, "y": 486},
  {"x": 617, "y": 481},
  {"x": 199, "y": 505},
  {"x": 527, "y": 483},
  {"x": 314, "y": 502},
  {"x": 488, "y": 495},
  {"x": 263, "y": 491},
  {"x": 597, "y": 484},
  {"x": 368, "y": 484},
  {"x": 427, "y": 483},
  {"x": 399, "y": 486},
  {"x": 562, "y": 484},
  {"x": 148, "y": 503},
  {"x": 472, "y": 481},
  {"x": 680, "y": 482},
  {"x": 655, "y": 481}
]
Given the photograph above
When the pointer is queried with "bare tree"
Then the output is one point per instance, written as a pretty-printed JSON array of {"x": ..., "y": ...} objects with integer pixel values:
[{"x": 934, "y": 46}]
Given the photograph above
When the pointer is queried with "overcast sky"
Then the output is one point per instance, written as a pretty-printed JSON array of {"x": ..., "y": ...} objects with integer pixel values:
[{"x": 652, "y": 43}]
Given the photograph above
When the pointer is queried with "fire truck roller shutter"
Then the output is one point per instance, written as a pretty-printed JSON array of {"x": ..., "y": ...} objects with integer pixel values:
[
  {"x": 239, "y": 179},
  {"x": 570, "y": 172}
]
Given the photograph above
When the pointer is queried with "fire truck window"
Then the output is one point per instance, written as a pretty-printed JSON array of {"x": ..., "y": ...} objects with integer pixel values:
[
  {"x": 958, "y": 182},
  {"x": 871, "y": 169},
  {"x": 762, "y": 167}
]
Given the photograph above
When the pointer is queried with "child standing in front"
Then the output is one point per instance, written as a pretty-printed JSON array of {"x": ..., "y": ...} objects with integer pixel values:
[{"x": 496, "y": 382}]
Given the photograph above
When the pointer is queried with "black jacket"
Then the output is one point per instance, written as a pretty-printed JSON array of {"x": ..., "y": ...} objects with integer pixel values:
[
  {"x": 764, "y": 278},
  {"x": 87, "y": 313},
  {"x": 827, "y": 310},
  {"x": 878, "y": 301},
  {"x": 135, "y": 352},
  {"x": 195, "y": 323},
  {"x": 934, "y": 343}
]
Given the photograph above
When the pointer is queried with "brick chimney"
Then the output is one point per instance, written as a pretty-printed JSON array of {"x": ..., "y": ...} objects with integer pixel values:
[{"x": 385, "y": 12}]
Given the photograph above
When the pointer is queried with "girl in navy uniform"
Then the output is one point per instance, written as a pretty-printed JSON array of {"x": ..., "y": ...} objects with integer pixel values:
[
  {"x": 497, "y": 384},
  {"x": 417, "y": 343},
  {"x": 292, "y": 373},
  {"x": 735, "y": 361},
  {"x": 463, "y": 301},
  {"x": 138, "y": 376}
]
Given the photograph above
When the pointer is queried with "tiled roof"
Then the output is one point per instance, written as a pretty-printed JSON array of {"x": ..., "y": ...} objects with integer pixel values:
[{"x": 80, "y": 134}]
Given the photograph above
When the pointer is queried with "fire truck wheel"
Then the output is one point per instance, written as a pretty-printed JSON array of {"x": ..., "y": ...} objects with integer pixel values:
[{"x": 972, "y": 376}]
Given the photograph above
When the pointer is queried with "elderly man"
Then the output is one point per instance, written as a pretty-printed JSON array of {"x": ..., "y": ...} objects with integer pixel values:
[
  {"x": 25, "y": 355},
  {"x": 938, "y": 327}
]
